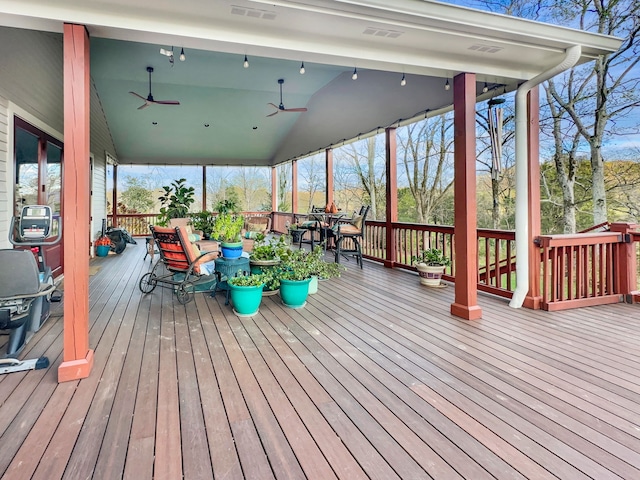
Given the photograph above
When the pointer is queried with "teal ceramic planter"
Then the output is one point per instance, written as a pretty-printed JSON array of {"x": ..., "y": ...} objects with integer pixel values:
[
  {"x": 294, "y": 293},
  {"x": 246, "y": 300},
  {"x": 102, "y": 250}
]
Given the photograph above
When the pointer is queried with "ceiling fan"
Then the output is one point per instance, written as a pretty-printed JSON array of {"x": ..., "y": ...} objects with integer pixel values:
[
  {"x": 149, "y": 99},
  {"x": 280, "y": 108}
]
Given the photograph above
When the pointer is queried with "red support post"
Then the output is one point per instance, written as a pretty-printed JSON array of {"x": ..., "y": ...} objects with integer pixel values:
[
  {"x": 534, "y": 297},
  {"x": 114, "y": 197},
  {"x": 77, "y": 356},
  {"x": 274, "y": 189},
  {"x": 625, "y": 266},
  {"x": 204, "y": 188},
  {"x": 294, "y": 187},
  {"x": 391, "y": 161},
  {"x": 465, "y": 210},
  {"x": 329, "y": 175}
]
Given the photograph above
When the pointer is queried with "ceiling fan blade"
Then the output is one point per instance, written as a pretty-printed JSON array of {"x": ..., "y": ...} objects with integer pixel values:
[
  {"x": 167, "y": 102},
  {"x": 139, "y": 96},
  {"x": 144, "y": 105},
  {"x": 302, "y": 109},
  {"x": 274, "y": 113}
]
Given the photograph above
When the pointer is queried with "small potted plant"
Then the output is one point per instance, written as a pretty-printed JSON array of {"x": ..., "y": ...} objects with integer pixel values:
[
  {"x": 246, "y": 293},
  {"x": 295, "y": 276},
  {"x": 431, "y": 264},
  {"x": 269, "y": 253},
  {"x": 203, "y": 221},
  {"x": 321, "y": 269},
  {"x": 227, "y": 229},
  {"x": 103, "y": 245}
]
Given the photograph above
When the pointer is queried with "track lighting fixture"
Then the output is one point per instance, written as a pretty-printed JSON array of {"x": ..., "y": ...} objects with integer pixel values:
[
  {"x": 403, "y": 82},
  {"x": 246, "y": 62},
  {"x": 355, "y": 74},
  {"x": 302, "y": 70},
  {"x": 485, "y": 89},
  {"x": 183, "y": 57}
]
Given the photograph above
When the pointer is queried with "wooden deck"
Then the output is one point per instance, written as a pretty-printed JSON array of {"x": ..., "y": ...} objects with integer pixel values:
[{"x": 372, "y": 379}]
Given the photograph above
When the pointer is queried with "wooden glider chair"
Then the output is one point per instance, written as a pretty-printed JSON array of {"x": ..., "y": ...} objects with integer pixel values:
[
  {"x": 181, "y": 266},
  {"x": 349, "y": 236}
]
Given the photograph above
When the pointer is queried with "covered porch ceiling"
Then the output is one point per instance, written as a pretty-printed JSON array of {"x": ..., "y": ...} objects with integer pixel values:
[{"x": 222, "y": 116}]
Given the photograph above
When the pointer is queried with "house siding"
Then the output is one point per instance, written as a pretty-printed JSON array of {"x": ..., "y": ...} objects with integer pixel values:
[{"x": 31, "y": 81}]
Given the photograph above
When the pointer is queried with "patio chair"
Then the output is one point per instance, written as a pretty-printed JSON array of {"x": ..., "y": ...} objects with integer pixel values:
[
  {"x": 351, "y": 232},
  {"x": 181, "y": 267},
  {"x": 21, "y": 297},
  {"x": 316, "y": 222}
]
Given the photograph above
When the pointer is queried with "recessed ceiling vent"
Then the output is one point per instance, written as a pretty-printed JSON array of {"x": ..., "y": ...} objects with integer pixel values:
[
  {"x": 377, "y": 32},
  {"x": 253, "y": 12},
  {"x": 485, "y": 48}
]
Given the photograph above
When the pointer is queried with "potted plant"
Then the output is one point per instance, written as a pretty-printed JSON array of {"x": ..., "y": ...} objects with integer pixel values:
[
  {"x": 203, "y": 221},
  {"x": 246, "y": 293},
  {"x": 176, "y": 200},
  {"x": 266, "y": 253},
  {"x": 431, "y": 264},
  {"x": 103, "y": 245},
  {"x": 321, "y": 269},
  {"x": 295, "y": 276},
  {"x": 227, "y": 229}
]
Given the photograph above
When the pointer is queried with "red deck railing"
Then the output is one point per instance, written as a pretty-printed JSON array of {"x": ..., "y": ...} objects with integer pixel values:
[{"x": 576, "y": 270}]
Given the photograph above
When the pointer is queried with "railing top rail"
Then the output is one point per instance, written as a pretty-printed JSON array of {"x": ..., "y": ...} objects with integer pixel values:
[{"x": 569, "y": 240}]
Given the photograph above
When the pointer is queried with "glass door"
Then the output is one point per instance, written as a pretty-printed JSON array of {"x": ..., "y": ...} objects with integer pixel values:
[{"x": 38, "y": 179}]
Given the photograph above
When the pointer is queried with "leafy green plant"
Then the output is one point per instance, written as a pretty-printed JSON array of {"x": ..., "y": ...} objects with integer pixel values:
[
  {"x": 321, "y": 268},
  {"x": 297, "y": 266},
  {"x": 246, "y": 280},
  {"x": 228, "y": 228},
  {"x": 226, "y": 206},
  {"x": 274, "y": 249},
  {"x": 431, "y": 256},
  {"x": 203, "y": 221},
  {"x": 176, "y": 200},
  {"x": 271, "y": 276}
]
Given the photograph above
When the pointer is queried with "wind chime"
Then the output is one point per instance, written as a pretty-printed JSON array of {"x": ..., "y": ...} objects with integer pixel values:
[{"x": 495, "y": 114}]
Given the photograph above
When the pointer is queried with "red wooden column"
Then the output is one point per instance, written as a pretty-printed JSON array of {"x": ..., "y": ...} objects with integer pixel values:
[
  {"x": 77, "y": 357},
  {"x": 391, "y": 161},
  {"x": 274, "y": 189},
  {"x": 294, "y": 187},
  {"x": 625, "y": 263},
  {"x": 204, "y": 188},
  {"x": 465, "y": 223},
  {"x": 534, "y": 297},
  {"x": 329, "y": 174},
  {"x": 114, "y": 198}
]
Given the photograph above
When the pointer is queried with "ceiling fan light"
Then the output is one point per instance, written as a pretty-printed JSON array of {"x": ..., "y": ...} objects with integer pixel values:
[
  {"x": 447, "y": 86},
  {"x": 246, "y": 62},
  {"x": 403, "y": 82},
  {"x": 355, "y": 74},
  {"x": 183, "y": 57},
  {"x": 302, "y": 70}
]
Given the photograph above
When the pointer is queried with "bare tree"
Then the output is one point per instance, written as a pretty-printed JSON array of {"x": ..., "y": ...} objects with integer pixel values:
[
  {"x": 252, "y": 183},
  {"x": 312, "y": 171},
  {"x": 426, "y": 153},
  {"x": 284, "y": 187}
]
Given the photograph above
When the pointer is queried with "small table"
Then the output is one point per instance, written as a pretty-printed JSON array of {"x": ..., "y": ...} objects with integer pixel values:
[{"x": 228, "y": 267}]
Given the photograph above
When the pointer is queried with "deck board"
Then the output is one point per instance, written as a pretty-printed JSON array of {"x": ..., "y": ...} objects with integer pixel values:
[{"x": 372, "y": 379}]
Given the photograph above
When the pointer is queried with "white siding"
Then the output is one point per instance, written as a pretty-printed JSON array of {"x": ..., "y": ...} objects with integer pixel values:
[{"x": 31, "y": 80}]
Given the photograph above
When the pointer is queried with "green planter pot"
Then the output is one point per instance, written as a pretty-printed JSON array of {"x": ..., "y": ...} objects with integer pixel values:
[
  {"x": 294, "y": 293},
  {"x": 246, "y": 300},
  {"x": 102, "y": 250},
  {"x": 313, "y": 285}
]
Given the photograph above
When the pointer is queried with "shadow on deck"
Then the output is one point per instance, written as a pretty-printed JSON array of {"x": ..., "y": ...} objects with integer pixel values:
[{"x": 372, "y": 379}]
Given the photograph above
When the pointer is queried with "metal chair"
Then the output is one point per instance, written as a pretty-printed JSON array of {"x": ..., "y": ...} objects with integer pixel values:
[
  {"x": 351, "y": 232},
  {"x": 315, "y": 223}
]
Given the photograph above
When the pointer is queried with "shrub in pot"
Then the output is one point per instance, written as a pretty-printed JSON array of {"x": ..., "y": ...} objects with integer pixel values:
[
  {"x": 227, "y": 229},
  {"x": 431, "y": 264},
  {"x": 246, "y": 294}
]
